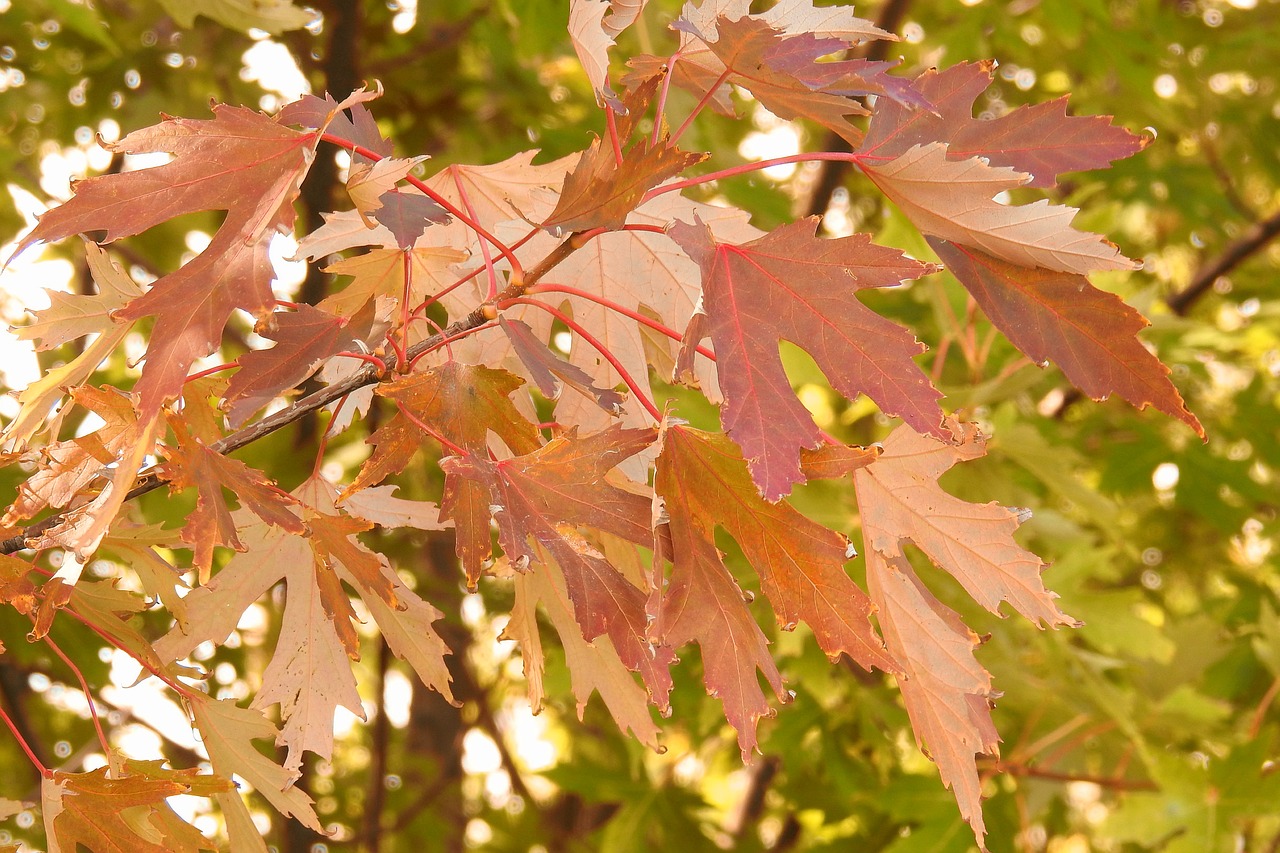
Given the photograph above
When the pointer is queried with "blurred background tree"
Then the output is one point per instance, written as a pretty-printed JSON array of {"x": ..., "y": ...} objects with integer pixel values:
[{"x": 1147, "y": 729}]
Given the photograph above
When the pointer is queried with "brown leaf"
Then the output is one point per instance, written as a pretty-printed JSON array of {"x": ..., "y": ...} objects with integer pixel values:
[
  {"x": 463, "y": 403},
  {"x": 947, "y": 693},
  {"x": 593, "y": 666},
  {"x": 305, "y": 337},
  {"x": 190, "y": 464},
  {"x": 241, "y": 162},
  {"x": 601, "y": 192},
  {"x": 549, "y": 370},
  {"x": 704, "y": 482},
  {"x": 1087, "y": 332},
  {"x": 116, "y": 815},
  {"x": 551, "y": 496}
]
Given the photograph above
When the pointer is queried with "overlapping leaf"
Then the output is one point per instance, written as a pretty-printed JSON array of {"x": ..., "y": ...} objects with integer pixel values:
[
  {"x": 462, "y": 403},
  {"x": 1040, "y": 140},
  {"x": 305, "y": 338},
  {"x": 704, "y": 483},
  {"x": 1087, "y": 332},
  {"x": 955, "y": 200},
  {"x": 593, "y": 666},
  {"x": 553, "y": 495},
  {"x": 899, "y": 501},
  {"x": 790, "y": 285}
]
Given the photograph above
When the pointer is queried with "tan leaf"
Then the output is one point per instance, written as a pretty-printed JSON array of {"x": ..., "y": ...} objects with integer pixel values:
[{"x": 954, "y": 199}]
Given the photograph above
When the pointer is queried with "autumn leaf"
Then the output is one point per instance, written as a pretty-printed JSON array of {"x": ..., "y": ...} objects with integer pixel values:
[
  {"x": 190, "y": 464},
  {"x": 463, "y": 403},
  {"x": 550, "y": 372},
  {"x": 794, "y": 17},
  {"x": 954, "y": 200},
  {"x": 593, "y": 666},
  {"x": 310, "y": 671},
  {"x": 305, "y": 338},
  {"x": 704, "y": 483},
  {"x": 601, "y": 191},
  {"x": 71, "y": 467},
  {"x": 70, "y": 316},
  {"x": 790, "y": 285},
  {"x": 550, "y": 496},
  {"x": 1088, "y": 333},
  {"x": 591, "y": 41},
  {"x": 1040, "y": 139},
  {"x": 782, "y": 71},
  {"x": 382, "y": 272},
  {"x": 227, "y": 732},
  {"x": 117, "y": 815},
  {"x": 241, "y": 162},
  {"x": 947, "y": 693}
]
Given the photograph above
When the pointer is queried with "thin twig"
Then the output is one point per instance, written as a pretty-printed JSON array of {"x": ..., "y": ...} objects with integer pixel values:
[{"x": 369, "y": 375}]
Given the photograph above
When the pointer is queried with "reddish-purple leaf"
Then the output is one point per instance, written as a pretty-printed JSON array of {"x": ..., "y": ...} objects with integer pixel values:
[
  {"x": 305, "y": 337},
  {"x": 1089, "y": 334},
  {"x": 1041, "y": 140},
  {"x": 549, "y": 370},
  {"x": 790, "y": 285}
]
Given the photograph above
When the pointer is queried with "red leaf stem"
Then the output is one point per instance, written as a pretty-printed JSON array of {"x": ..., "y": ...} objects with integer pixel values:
[{"x": 599, "y": 347}]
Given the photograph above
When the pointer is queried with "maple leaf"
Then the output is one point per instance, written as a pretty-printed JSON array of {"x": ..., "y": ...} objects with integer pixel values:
[
  {"x": 1040, "y": 140},
  {"x": 191, "y": 464},
  {"x": 591, "y": 41},
  {"x": 647, "y": 273},
  {"x": 116, "y": 815},
  {"x": 782, "y": 71},
  {"x": 795, "y": 17},
  {"x": 946, "y": 692},
  {"x": 548, "y": 496},
  {"x": 241, "y": 162},
  {"x": 227, "y": 732},
  {"x": 954, "y": 199},
  {"x": 593, "y": 666},
  {"x": 15, "y": 589},
  {"x": 74, "y": 315},
  {"x": 601, "y": 191},
  {"x": 464, "y": 403},
  {"x": 704, "y": 483},
  {"x": 69, "y": 468},
  {"x": 310, "y": 672},
  {"x": 68, "y": 317},
  {"x": 367, "y": 183},
  {"x": 382, "y": 272},
  {"x": 623, "y": 13},
  {"x": 549, "y": 370},
  {"x": 305, "y": 337},
  {"x": 1089, "y": 333},
  {"x": 791, "y": 285}
]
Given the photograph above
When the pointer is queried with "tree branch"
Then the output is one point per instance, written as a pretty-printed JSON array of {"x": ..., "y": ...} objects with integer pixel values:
[
  {"x": 832, "y": 174},
  {"x": 1254, "y": 240},
  {"x": 368, "y": 375}
]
